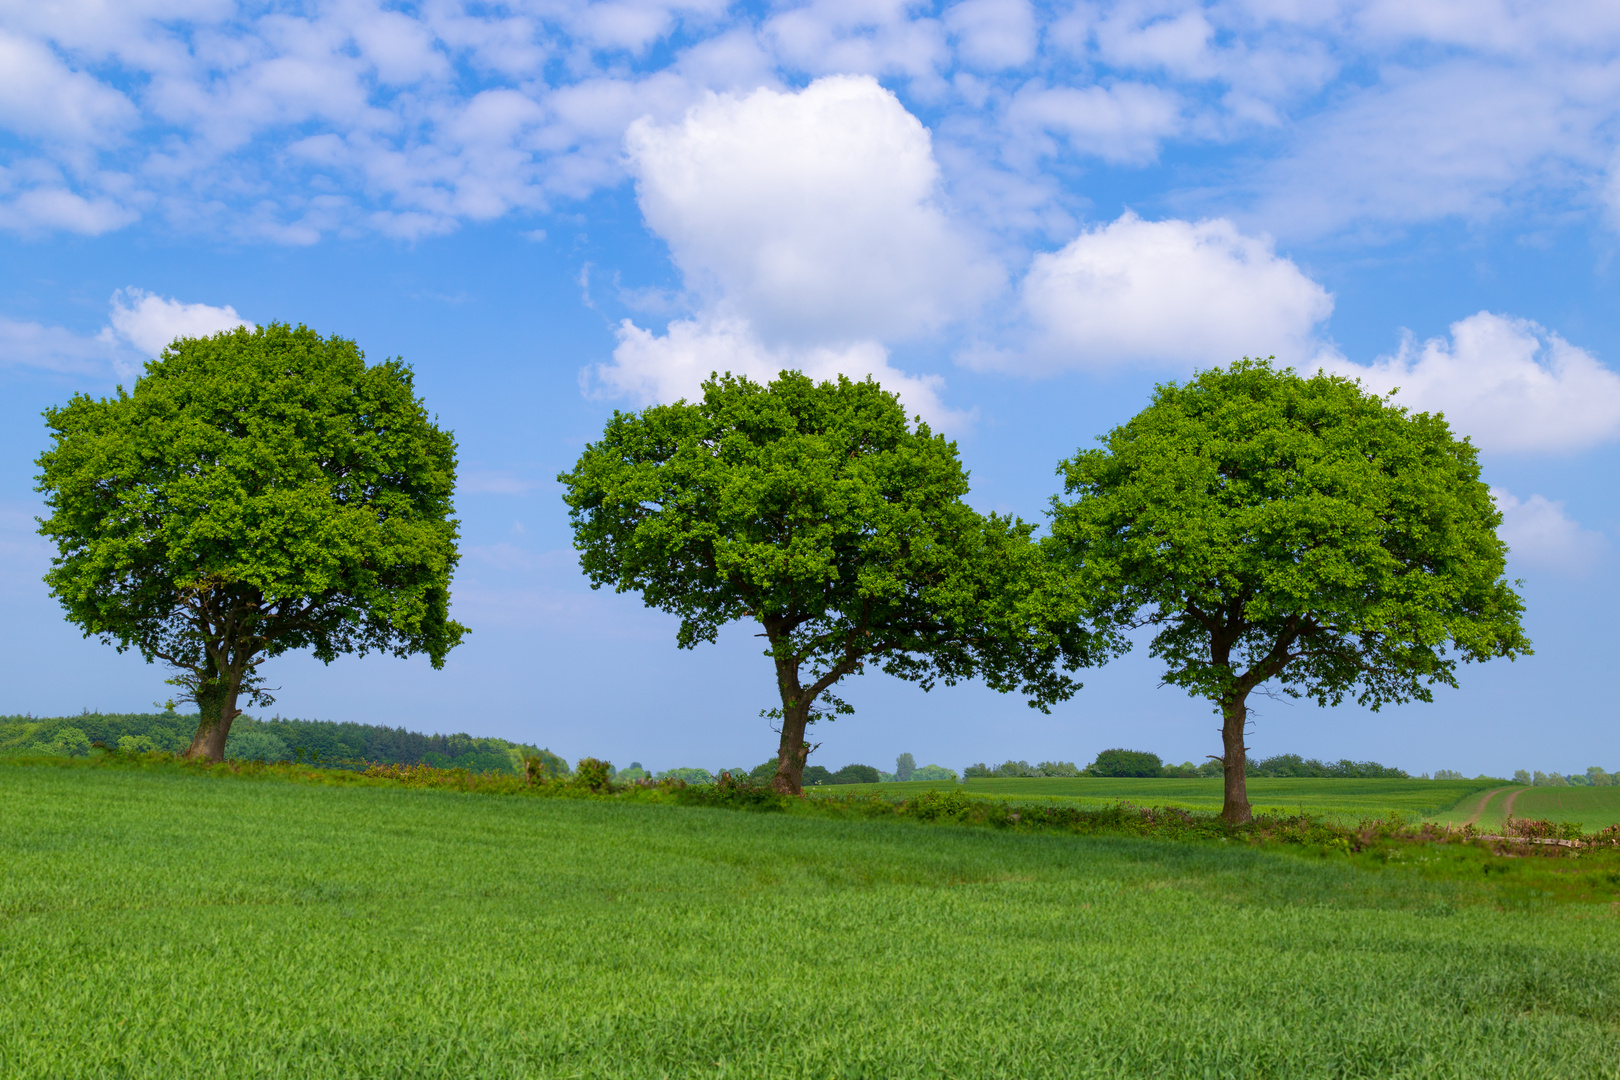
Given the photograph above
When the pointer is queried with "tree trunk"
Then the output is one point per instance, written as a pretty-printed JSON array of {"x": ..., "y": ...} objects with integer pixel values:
[
  {"x": 216, "y": 708},
  {"x": 793, "y": 751},
  {"x": 1235, "y": 715}
]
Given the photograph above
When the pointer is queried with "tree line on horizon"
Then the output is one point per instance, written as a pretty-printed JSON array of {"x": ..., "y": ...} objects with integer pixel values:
[{"x": 266, "y": 490}]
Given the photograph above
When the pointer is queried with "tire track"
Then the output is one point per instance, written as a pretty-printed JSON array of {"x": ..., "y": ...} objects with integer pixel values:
[
  {"x": 1473, "y": 819},
  {"x": 1507, "y": 807}
]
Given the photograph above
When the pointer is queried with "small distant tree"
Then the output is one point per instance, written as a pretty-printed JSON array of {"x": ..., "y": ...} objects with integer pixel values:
[
  {"x": 904, "y": 766},
  {"x": 1125, "y": 763},
  {"x": 856, "y": 774},
  {"x": 1272, "y": 528},
  {"x": 821, "y": 512},
  {"x": 1520, "y": 776},
  {"x": 258, "y": 492}
]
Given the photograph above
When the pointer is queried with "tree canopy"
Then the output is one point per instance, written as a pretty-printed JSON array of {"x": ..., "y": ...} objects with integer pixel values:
[
  {"x": 1272, "y": 528},
  {"x": 821, "y": 512},
  {"x": 258, "y": 491}
]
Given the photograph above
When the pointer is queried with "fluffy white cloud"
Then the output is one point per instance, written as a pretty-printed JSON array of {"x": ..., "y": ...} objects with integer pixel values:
[
  {"x": 1123, "y": 123},
  {"x": 42, "y": 96},
  {"x": 1167, "y": 294},
  {"x": 993, "y": 34},
  {"x": 150, "y": 322},
  {"x": 649, "y": 368},
  {"x": 1508, "y": 383},
  {"x": 815, "y": 215},
  {"x": 139, "y": 325},
  {"x": 53, "y": 348},
  {"x": 1540, "y": 533}
]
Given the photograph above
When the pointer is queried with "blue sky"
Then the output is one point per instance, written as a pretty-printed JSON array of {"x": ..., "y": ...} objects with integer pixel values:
[{"x": 1021, "y": 217}]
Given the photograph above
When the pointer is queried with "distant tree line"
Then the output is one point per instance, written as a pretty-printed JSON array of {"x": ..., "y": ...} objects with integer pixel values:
[
  {"x": 1141, "y": 763},
  {"x": 276, "y": 739},
  {"x": 1593, "y": 777}
]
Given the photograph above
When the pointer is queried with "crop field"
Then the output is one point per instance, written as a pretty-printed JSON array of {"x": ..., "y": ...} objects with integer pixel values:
[
  {"x": 1594, "y": 808},
  {"x": 165, "y": 924},
  {"x": 1342, "y": 801}
]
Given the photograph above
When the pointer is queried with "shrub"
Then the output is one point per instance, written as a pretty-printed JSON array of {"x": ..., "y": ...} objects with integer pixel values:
[
  {"x": 856, "y": 774},
  {"x": 595, "y": 774},
  {"x": 690, "y": 776},
  {"x": 136, "y": 744},
  {"x": 1124, "y": 763},
  {"x": 251, "y": 744}
]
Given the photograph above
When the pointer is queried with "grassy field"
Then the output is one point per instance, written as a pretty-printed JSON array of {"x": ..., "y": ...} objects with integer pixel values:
[
  {"x": 1343, "y": 801},
  {"x": 164, "y": 924}
]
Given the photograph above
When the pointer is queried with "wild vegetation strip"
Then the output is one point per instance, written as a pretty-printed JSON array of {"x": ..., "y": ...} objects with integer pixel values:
[
  {"x": 179, "y": 922},
  {"x": 1342, "y": 801}
]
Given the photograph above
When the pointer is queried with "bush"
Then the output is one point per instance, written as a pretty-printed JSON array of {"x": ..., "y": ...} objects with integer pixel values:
[
  {"x": 593, "y": 773},
  {"x": 1124, "y": 763},
  {"x": 691, "y": 776},
  {"x": 856, "y": 774},
  {"x": 250, "y": 744}
]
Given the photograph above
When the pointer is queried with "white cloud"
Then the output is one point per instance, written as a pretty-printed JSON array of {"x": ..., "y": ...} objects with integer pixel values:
[
  {"x": 1539, "y": 533},
  {"x": 1123, "y": 123},
  {"x": 993, "y": 34},
  {"x": 140, "y": 325},
  {"x": 814, "y": 215},
  {"x": 1508, "y": 383},
  {"x": 42, "y": 96},
  {"x": 150, "y": 322},
  {"x": 53, "y": 348},
  {"x": 44, "y": 208},
  {"x": 1167, "y": 294},
  {"x": 648, "y": 368}
]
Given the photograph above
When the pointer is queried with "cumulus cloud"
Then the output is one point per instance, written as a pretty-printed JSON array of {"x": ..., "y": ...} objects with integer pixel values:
[
  {"x": 651, "y": 368},
  {"x": 150, "y": 322},
  {"x": 1123, "y": 124},
  {"x": 1539, "y": 533},
  {"x": 815, "y": 215},
  {"x": 139, "y": 326},
  {"x": 53, "y": 348},
  {"x": 1165, "y": 294},
  {"x": 1509, "y": 384},
  {"x": 809, "y": 230}
]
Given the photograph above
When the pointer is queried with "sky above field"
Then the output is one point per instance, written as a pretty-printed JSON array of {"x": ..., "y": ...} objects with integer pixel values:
[{"x": 1021, "y": 217}]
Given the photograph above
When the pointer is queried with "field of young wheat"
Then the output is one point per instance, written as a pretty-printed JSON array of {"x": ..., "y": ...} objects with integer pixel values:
[{"x": 160, "y": 923}]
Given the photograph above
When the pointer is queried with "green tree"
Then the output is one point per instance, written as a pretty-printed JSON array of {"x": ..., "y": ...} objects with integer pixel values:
[
  {"x": 1269, "y": 527},
  {"x": 258, "y": 491},
  {"x": 819, "y": 511},
  {"x": 904, "y": 766}
]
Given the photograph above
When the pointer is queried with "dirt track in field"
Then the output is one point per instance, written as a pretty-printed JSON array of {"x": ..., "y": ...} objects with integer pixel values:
[{"x": 1473, "y": 819}]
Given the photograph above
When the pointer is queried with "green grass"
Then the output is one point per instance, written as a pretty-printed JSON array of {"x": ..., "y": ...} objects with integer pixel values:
[
  {"x": 1341, "y": 801},
  {"x": 159, "y": 923}
]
